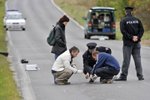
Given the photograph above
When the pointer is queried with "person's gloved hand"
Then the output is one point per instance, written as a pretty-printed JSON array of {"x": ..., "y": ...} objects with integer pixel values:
[{"x": 93, "y": 77}]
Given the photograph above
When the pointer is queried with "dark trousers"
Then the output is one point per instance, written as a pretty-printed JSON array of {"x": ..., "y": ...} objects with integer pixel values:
[
  {"x": 106, "y": 72},
  {"x": 133, "y": 50}
]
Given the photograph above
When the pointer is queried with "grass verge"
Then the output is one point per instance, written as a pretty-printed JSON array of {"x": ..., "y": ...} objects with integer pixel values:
[
  {"x": 78, "y": 8},
  {"x": 8, "y": 88}
]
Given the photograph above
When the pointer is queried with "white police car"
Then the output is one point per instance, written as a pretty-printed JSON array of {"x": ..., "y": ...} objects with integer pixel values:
[{"x": 14, "y": 20}]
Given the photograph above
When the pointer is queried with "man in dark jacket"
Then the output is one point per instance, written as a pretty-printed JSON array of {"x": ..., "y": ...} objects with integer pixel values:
[
  {"x": 132, "y": 31},
  {"x": 60, "y": 39},
  {"x": 106, "y": 67},
  {"x": 88, "y": 61}
]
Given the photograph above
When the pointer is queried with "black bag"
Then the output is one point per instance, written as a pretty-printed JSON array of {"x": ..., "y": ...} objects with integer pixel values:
[{"x": 51, "y": 37}]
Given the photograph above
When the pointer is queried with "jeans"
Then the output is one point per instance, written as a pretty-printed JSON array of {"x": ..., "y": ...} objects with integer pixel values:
[
  {"x": 133, "y": 50},
  {"x": 106, "y": 72}
]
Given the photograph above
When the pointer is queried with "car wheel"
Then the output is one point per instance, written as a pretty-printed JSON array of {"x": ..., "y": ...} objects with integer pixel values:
[{"x": 112, "y": 37}]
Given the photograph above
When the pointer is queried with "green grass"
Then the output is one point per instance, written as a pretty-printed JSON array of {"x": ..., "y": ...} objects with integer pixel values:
[
  {"x": 146, "y": 35},
  {"x": 8, "y": 88},
  {"x": 78, "y": 8},
  {"x": 73, "y": 10}
]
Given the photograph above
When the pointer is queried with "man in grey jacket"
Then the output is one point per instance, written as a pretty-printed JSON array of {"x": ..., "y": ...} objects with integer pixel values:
[{"x": 63, "y": 68}]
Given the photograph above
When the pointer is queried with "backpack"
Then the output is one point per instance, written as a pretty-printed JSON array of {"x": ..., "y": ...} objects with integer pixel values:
[{"x": 51, "y": 37}]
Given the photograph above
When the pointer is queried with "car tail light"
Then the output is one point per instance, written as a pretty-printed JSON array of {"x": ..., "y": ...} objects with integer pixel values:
[{"x": 89, "y": 24}]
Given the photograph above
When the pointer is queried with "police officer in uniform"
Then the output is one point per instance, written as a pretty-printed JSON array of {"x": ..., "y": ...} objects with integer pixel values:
[
  {"x": 88, "y": 61},
  {"x": 132, "y": 31}
]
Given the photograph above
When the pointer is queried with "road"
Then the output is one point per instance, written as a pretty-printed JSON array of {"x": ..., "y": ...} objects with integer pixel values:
[{"x": 31, "y": 45}]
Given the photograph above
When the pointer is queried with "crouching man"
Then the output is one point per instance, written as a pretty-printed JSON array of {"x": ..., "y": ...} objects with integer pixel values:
[
  {"x": 106, "y": 67},
  {"x": 63, "y": 68},
  {"x": 88, "y": 61}
]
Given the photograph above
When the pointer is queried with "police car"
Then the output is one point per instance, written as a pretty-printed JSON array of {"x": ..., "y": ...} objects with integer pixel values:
[
  {"x": 100, "y": 21},
  {"x": 13, "y": 20}
]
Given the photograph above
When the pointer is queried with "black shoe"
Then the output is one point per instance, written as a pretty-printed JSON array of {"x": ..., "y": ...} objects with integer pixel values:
[
  {"x": 120, "y": 79},
  {"x": 141, "y": 78},
  {"x": 102, "y": 81},
  {"x": 23, "y": 61},
  {"x": 106, "y": 81}
]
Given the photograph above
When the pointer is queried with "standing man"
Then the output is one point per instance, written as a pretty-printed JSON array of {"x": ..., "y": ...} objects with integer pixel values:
[
  {"x": 132, "y": 31},
  {"x": 63, "y": 68},
  {"x": 60, "y": 38}
]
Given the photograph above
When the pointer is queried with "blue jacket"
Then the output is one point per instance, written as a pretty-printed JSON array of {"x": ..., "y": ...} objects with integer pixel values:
[{"x": 105, "y": 59}]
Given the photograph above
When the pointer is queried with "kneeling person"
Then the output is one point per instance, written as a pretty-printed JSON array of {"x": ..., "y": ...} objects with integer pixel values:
[
  {"x": 88, "y": 61},
  {"x": 63, "y": 68},
  {"x": 106, "y": 66}
]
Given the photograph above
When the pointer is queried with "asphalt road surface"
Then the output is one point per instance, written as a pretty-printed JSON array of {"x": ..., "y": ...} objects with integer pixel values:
[{"x": 31, "y": 45}]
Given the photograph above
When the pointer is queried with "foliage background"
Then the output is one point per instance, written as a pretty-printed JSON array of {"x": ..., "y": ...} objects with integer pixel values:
[{"x": 78, "y": 8}]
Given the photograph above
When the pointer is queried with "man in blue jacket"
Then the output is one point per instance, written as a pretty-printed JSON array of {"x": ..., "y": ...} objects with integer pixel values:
[
  {"x": 105, "y": 68},
  {"x": 88, "y": 61}
]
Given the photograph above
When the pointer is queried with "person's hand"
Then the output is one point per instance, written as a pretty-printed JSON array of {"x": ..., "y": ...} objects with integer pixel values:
[
  {"x": 91, "y": 76},
  {"x": 79, "y": 71},
  {"x": 87, "y": 75},
  {"x": 135, "y": 38}
]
